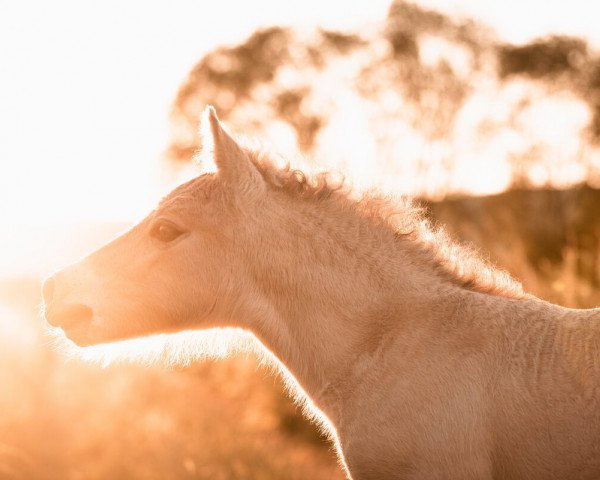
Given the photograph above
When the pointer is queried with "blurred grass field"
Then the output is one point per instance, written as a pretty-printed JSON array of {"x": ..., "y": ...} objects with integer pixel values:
[{"x": 62, "y": 418}]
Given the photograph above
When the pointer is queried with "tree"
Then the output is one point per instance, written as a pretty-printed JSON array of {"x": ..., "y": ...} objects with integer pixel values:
[{"x": 422, "y": 96}]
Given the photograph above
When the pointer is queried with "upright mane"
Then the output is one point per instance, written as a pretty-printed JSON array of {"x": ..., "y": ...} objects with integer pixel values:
[{"x": 460, "y": 264}]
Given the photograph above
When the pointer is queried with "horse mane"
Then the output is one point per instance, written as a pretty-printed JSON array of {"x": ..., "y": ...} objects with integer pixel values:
[{"x": 405, "y": 220}]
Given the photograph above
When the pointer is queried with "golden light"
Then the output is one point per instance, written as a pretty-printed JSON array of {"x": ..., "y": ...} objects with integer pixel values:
[{"x": 85, "y": 94}]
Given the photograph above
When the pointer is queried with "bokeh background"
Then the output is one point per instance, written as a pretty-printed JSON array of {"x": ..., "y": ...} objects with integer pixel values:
[{"x": 488, "y": 111}]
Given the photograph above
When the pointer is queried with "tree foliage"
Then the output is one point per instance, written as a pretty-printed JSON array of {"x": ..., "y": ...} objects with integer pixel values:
[{"x": 447, "y": 86}]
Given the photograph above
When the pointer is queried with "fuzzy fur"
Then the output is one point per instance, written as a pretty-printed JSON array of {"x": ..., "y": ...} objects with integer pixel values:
[{"x": 421, "y": 361}]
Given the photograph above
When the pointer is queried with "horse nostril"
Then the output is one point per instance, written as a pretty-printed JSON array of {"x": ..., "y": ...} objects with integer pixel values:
[
  {"x": 68, "y": 315},
  {"x": 48, "y": 290}
]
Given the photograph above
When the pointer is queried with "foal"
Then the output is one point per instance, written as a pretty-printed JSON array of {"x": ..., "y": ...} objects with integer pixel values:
[{"x": 423, "y": 362}]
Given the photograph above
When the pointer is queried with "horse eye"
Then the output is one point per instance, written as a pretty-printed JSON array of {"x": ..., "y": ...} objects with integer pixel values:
[{"x": 165, "y": 232}]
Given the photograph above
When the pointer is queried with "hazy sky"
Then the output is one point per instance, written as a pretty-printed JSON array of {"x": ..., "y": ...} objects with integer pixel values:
[
  {"x": 520, "y": 21},
  {"x": 85, "y": 88}
]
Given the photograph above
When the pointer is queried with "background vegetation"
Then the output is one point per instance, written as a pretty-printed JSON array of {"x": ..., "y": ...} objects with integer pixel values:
[{"x": 451, "y": 85}]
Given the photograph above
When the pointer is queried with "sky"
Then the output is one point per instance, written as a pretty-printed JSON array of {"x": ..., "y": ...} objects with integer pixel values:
[
  {"x": 521, "y": 21},
  {"x": 85, "y": 90}
]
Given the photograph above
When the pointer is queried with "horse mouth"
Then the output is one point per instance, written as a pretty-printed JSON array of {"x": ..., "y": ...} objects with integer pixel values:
[{"x": 73, "y": 319}]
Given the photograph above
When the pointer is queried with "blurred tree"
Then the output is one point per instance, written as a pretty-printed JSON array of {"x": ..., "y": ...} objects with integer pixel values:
[
  {"x": 543, "y": 58},
  {"x": 431, "y": 90}
]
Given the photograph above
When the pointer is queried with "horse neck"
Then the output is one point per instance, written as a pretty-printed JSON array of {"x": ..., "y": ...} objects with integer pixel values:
[
  {"x": 327, "y": 295},
  {"x": 330, "y": 288}
]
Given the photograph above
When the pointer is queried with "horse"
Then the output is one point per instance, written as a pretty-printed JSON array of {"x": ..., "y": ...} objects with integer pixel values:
[{"x": 420, "y": 360}]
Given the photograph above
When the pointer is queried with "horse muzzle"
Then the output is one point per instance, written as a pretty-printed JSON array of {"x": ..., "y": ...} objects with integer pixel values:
[{"x": 63, "y": 314}]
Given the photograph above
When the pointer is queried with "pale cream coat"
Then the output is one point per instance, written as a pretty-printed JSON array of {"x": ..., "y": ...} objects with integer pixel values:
[{"x": 421, "y": 361}]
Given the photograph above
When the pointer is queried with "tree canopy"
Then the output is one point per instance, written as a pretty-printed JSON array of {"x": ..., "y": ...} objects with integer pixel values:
[{"x": 428, "y": 90}]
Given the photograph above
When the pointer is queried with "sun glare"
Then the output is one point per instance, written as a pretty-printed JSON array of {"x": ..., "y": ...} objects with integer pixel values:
[
  {"x": 451, "y": 108},
  {"x": 88, "y": 149}
]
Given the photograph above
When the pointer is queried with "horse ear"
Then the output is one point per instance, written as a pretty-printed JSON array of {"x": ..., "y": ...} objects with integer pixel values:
[{"x": 232, "y": 160}]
